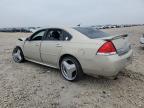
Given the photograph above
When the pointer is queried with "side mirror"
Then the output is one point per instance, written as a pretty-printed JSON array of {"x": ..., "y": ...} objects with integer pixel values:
[
  {"x": 20, "y": 39},
  {"x": 28, "y": 39}
]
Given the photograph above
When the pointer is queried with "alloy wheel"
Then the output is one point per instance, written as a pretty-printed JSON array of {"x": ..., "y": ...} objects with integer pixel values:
[{"x": 69, "y": 70}]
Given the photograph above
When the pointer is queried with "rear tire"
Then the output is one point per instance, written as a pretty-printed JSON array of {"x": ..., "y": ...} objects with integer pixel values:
[
  {"x": 71, "y": 69},
  {"x": 17, "y": 55}
]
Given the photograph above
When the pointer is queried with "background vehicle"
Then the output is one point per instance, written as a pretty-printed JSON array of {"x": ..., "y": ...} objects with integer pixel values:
[
  {"x": 142, "y": 41},
  {"x": 76, "y": 51}
]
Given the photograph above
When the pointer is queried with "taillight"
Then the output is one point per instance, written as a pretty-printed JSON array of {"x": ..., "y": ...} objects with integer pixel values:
[{"x": 107, "y": 48}]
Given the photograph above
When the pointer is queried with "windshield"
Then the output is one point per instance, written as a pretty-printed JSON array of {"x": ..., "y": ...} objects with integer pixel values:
[{"x": 91, "y": 32}]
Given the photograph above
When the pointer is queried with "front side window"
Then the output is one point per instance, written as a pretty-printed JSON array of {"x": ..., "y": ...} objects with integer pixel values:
[{"x": 38, "y": 36}]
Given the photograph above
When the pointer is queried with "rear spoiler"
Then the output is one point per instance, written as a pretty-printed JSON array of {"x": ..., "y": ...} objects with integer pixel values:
[{"x": 115, "y": 37}]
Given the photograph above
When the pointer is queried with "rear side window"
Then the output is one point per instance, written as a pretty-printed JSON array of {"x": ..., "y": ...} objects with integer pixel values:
[
  {"x": 54, "y": 35},
  {"x": 91, "y": 32},
  {"x": 66, "y": 36},
  {"x": 57, "y": 35}
]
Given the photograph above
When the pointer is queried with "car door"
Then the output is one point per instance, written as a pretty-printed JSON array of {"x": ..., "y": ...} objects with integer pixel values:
[
  {"x": 32, "y": 46},
  {"x": 51, "y": 47}
]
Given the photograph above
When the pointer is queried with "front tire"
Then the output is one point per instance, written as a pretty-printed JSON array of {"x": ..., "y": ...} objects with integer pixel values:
[
  {"x": 71, "y": 69},
  {"x": 17, "y": 55}
]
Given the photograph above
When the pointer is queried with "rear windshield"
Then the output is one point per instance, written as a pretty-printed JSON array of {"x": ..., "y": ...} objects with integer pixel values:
[{"x": 91, "y": 32}]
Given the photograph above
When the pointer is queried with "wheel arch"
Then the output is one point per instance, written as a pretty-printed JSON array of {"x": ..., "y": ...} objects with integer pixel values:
[
  {"x": 19, "y": 47},
  {"x": 21, "y": 54},
  {"x": 67, "y": 55}
]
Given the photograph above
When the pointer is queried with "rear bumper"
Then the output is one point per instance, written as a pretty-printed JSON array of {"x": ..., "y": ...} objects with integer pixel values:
[{"x": 107, "y": 65}]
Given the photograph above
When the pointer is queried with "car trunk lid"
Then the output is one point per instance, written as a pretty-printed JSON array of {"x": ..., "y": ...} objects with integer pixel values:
[{"x": 120, "y": 42}]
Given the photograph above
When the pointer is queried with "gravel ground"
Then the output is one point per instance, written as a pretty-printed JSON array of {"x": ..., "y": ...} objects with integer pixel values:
[{"x": 29, "y": 85}]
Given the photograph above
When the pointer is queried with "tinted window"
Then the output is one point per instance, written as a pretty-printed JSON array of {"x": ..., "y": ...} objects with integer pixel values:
[{"x": 91, "y": 32}]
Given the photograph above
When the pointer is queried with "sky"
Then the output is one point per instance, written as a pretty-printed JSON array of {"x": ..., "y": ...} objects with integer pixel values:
[{"x": 24, "y": 13}]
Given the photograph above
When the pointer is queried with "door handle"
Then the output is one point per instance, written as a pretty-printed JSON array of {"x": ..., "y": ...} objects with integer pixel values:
[
  {"x": 37, "y": 45},
  {"x": 58, "y": 45}
]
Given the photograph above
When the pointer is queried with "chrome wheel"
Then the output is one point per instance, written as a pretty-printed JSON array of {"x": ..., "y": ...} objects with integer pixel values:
[
  {"x": 69, "y": 70},
  {"x": 17, "y": 55}
]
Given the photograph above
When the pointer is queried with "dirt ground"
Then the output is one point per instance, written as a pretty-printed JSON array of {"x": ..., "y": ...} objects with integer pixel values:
[{"x": 29, "y": 85}]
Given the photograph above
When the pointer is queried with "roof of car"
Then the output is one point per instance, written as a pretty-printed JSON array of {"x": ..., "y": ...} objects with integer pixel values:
[
  {"x": 55, "y": 27},
  {"x": 60, "y": 27}
]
